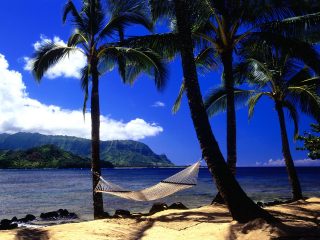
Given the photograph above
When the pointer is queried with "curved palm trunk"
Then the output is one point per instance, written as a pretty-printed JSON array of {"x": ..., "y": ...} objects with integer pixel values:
[
  {"x": 227, "y": 60},
  {"x": 293, "y": 176},
  {"x": 95, "y": 144},
  {"x": 241, "y": 207}
]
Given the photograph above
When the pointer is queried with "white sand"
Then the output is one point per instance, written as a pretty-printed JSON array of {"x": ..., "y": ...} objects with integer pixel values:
[{"x": 301, "y": 218}]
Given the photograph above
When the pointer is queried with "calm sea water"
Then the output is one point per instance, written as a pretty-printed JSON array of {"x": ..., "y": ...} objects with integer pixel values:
[{"x": 36, "y": 191}]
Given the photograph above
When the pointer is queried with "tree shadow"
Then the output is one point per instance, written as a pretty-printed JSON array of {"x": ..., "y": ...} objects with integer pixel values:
[
  {"x": 312, "y": 215},
  {"x": 32, "y": 234},
  {"x": 189, "y": 219},
  {"x": 199, "y": 217},
  {"x": 140, "y": 232}
]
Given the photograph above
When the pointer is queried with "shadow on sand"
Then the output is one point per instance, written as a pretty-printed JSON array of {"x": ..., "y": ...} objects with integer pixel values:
[
  {"x": 189, "y": 218},
  {"x": 32, "y": 234}
]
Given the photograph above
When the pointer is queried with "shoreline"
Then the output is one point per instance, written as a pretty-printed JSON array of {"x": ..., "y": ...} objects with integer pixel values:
[
  {"x": 299, "y": 219},
  {"x": 171, "y": 167}
]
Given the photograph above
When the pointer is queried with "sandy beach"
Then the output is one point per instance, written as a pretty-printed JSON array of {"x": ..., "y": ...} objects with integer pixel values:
[{"x": 299, "y": 219}]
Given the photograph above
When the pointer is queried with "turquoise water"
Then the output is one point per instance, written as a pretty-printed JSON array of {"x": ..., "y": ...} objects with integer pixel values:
[{"x": 36, "y": 191}]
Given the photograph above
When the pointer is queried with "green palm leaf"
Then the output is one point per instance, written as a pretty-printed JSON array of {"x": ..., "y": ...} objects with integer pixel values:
[
  {"x": 47, "y": 55},
  {"x": 216, "y": 100}
]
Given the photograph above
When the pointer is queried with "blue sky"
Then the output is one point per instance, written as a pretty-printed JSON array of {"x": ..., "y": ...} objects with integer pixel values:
[{"x": 25, "y": 22}]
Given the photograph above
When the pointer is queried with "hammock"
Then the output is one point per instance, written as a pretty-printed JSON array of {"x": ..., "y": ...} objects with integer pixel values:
[{"x": 184, "y": 179}]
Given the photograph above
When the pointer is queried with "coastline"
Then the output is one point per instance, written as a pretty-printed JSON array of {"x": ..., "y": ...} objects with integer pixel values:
[{"x": 299, "y": 219}]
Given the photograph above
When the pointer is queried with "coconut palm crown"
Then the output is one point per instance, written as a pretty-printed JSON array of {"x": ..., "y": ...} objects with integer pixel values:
[
  {"x": 98, "y": 33},
  {"x": 292, "y": 86}
]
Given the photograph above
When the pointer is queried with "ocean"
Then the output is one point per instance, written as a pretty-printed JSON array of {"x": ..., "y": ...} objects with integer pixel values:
[{"x": 37, "y": 191}]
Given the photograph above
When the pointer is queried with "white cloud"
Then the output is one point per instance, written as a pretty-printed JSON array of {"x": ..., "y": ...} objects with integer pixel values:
[
  {"x": 19, "y": 112},
  {"x": 281, "y": 163},
  {"x": 158, "y": 104},
  {"x": 69, "y": 66}
]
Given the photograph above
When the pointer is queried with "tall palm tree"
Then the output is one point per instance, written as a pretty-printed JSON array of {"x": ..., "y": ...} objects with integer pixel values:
[
  {"x": 96, "y": 36},
  {"x": 291, "y": 86},
  {"x": 231, "y": 24},
  {"x": 241, "y": 207}
]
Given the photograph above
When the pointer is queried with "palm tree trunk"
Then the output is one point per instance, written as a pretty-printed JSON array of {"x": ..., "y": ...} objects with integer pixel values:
[
  {"x": 95, "y": 144},
  {"x": 231, "y": 112},
  {"x": 227, "y": 60},
  {"x": 292, "y": 173},
  {"x": 241, "y": 207}
]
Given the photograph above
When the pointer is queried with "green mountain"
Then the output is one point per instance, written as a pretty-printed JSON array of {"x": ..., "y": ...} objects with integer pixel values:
[
  {"x": 120, "y": 153},
  {"x": 46, "y": 156}
]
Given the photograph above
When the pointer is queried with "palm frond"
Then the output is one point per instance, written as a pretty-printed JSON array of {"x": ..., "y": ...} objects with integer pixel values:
[
  {"x": 85, "y": 75},
  {"x": 206, "y": 60},
  {"x": 177, "y": 102},
  {"x": 306, "y": 98},
  {"x": 94, "y": 15},
  {"x": 161, "y": 9},
  {"x": 77, "y": 20},
  {"x": 305, "y": 27},
  {"x": 294, "y": 47},
  {"x": 300, "y": 76},
  {"x": 78, "y": 38},
  {"x": 143, "y": 60},
  {"x": 216, "y": 100},
  {"x": 252, "y": 102},
  {"x": 166, "y": 45},
  {"x": 47, "y": 55},
  {"x": 121, "y": 21}
]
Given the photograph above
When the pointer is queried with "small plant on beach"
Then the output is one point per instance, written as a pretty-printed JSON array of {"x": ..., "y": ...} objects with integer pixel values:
[{"x": 98, "y": 33}]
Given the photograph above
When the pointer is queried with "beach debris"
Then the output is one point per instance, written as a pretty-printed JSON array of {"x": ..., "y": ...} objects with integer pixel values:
[
  {"x": 7, "y": 224},
  {"x": 177, "y": 205},
  {"x": 158, "y": 207},
  {"x": 61, "y": 213}
]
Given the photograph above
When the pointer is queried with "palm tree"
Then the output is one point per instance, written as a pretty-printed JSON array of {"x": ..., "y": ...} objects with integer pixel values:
[
  {"x": 292, "y": 86},
  {"x": 241, "y": 207},
  {"x": 231, "y": 24},
  {"x": 93, "y": 36}
]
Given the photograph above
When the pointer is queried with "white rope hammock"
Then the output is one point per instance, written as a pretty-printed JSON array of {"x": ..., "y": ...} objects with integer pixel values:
[{"x": 184, "y": 179}]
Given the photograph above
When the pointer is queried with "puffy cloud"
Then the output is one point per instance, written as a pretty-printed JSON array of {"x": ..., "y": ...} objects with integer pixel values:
[
  {"x": 281, "y": 163},
  {"x": 19, "y": 112},
  {"x": 70, "y": 66},
  {"x": 158, "y": 104}
]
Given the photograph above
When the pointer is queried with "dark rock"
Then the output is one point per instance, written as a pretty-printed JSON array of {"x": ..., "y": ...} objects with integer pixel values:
[
  {"x": 260, "y": 204},
  {"x": 73, "y": 215},
  {"x": 158, "y": 207},
  {"x": 177, "y": 205},
  {"x": 63, "y": 212},
  {"x": 273, "y": 203},
  {"x": 27, "y": 218},
  {"x": 22, "y": 220},
  {"x": 14, "y": 219},
  {"x": 30, "y": 217},
  {"x": 5, "y": 222},
  {"x": 8, "y": 227},
  {"x": 122, "y": 213},
  {"x": 49, "y": 215}
]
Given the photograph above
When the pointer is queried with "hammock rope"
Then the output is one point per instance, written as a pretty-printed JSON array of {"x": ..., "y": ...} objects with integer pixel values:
[{"x": 184, "y": 179}]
